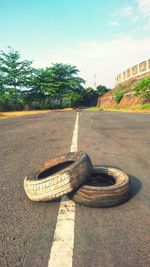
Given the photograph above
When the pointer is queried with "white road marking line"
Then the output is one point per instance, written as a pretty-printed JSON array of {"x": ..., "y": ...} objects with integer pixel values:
[
  {"x": 75, "y": 136},
  {"x": 63, "y": 243}
]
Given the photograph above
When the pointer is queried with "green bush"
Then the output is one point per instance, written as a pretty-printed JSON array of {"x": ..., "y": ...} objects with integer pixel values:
[
  {"x": 35, "y": 105},
  {"x": 143, "y": 88},
  {"x": 119, "y": 95}
]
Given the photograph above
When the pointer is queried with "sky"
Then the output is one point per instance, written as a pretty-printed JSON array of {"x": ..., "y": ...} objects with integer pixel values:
[{"x": 101, "y": 38}]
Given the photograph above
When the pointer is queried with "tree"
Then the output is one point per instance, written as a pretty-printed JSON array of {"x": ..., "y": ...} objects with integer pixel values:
[
  {"x": 56, "y": 83},
  {"x": 90, "y": 97},
  {"x": 101, "y": 89},
  {"x": 65, "y": 79},
  {"x": 14, "y": 74}
]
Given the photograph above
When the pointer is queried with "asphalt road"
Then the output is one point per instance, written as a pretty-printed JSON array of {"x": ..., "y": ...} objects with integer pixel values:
[{"x": 118, "y": 236}]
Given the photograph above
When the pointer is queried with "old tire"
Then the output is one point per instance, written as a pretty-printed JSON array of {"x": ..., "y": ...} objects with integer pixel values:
[
  {"x": 58, "y": 176},
  {"x": 104, "y": 196}
]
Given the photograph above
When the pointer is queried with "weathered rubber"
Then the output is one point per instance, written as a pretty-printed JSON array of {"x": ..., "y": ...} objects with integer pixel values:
[
  {"x": 99, "y": 196},
  {"x": 60, "y": 182}
]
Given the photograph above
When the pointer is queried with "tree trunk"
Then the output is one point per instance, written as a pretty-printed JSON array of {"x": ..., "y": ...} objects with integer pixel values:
[{"x": 60, "y": 103}]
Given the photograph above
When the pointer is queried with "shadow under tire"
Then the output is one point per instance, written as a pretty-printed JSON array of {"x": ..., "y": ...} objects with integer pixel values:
[
  {"x": 104, "y": 196},
  {"x": 58, "y": 176}
]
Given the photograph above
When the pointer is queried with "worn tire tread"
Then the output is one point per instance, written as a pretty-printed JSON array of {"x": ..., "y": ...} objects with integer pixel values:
[
  {"x": 104, "y": 196},
  {"x": 59, "y": 183}
]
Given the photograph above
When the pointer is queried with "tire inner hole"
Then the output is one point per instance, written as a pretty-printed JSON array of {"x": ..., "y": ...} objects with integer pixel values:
[
  {"x": 102, "y": 180},
  {"x": 57, "y": 168}
]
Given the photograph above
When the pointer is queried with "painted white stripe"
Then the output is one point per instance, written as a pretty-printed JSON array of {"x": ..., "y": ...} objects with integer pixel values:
[
  {"x": 75, "y": 135},
  {"x": 63, "y": 243}
]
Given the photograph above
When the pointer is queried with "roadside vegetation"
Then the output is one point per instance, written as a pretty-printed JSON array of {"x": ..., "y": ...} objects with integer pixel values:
[
  {"x": 143, "y": 88},
  {"x": 134, "y": 88},
  {"x": 93, "y": 108},
  {"x": 9, "y": 114},
  {"x": 119, "y": 95},
  {"x": 23, "y": 87},
  {"x": 140, "y": 107},
  {"x": 138, "y": 87}
]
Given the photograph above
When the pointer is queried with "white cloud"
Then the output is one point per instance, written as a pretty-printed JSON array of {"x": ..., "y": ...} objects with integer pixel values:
[
  {"x": 146, "y": 27},
  {"x": 144, "y": 7},
  {"x": 135, "y": 18},
  {"x": 114, "y": 23},
  {"x": 125, "y": 14},
  {"x": 135, "y": 13},
  {"x": 106, "y": 59},
  {"x": 144, "y": 11},
  {"x": 127, "y": 11}
]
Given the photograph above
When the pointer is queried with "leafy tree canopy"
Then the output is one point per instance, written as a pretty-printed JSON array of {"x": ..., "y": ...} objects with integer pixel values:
[
  {"x": 14, "y": 75},
  {"x": 101, "y": 89},
  {"x": 13, "y": 72},
  {"x": 22, "y": 85}
]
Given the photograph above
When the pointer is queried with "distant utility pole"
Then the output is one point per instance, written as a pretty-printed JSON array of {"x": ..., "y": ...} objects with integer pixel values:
[{"x": 95, "y": 82}]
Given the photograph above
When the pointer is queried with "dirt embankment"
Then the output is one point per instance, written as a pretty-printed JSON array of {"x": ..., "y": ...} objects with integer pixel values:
[{"x": 128, "y": 99}]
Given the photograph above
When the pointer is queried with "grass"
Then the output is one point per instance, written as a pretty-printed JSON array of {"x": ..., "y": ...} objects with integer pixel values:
[
  {"x": 136, "y": 108},
  {"x": 67, "y": 109},
  {"x": 94, "y": 108},
  {"x": 12, "y": 114},
  {"x": 139, "y": 108},
  {"x": 145, "y": 106}
]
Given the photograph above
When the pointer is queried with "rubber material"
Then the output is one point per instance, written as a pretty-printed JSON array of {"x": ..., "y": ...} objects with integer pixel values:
[
  {"x": 58, "y": 176},
  {"x": 104, "y": 196}
]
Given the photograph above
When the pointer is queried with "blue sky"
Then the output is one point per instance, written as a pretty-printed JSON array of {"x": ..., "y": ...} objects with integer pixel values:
[{"x": 101, "y": 38}]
